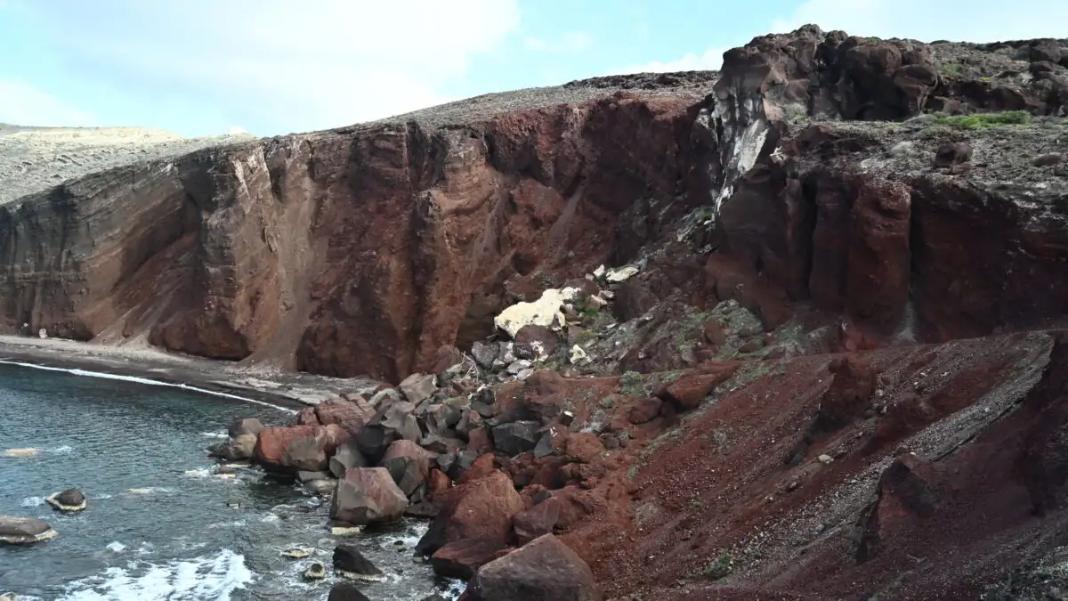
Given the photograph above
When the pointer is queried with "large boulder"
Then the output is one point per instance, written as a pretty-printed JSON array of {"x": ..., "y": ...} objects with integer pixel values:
[
  {"x": 543, "y": 570},
  {"x": 462, "y": 558},
  {"x": 690, "y": 390},
  {"x": 245, "y": 425},
  {"x": 349, "y": 415},
  {"x": 367, "y": 496},
  {"x": 480, "y": 509},
  {"x": 293, "y": 448},
  {"x": 24, "y": 531},
  {"x": 409, "y": 464}
]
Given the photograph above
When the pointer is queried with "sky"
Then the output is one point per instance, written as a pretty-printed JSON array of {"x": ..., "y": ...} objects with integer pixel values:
[{"x": 269, "y": 67}]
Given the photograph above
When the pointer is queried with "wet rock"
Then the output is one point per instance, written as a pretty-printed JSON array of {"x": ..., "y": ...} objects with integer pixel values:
[
  {"x": 408, "y": 464},
  {"x": 543, "y": 570},
  {"x": 418, "y": 387},
  {"x": 480, "y": 509},
  {"x": 24, "y": 531},
  {"x": 70, "y": 500},
  {"x": 350, "y": 563},
  {"x": 516, "y": 437},
  {"x": 308, "y": 476},
  {"x": 953, "y": 153},
  {"x": 239, "y": 448},
  {"x": 367, "y": 496},
  {"x": 297, "y": 553},
  {"x": 315, "y": 571},
  {"x": 346, "y": 591}
]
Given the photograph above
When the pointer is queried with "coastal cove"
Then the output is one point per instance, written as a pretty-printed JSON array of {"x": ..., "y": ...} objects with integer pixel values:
[{"x": 163, "y": 520}]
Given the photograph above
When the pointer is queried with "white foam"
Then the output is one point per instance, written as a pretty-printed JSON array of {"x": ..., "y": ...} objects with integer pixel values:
[
  {"x": 217, "y": 434},
  {"x": 150, "y": 490},
  {"x": 200, "y": 472},
  {"x": 32, "y": 502},
  {"x": 200, "y": 579},
  {"x": 63, "y": 450},
  {"x": 147, "y": 381},
  {"x": 116, "y": 547}
]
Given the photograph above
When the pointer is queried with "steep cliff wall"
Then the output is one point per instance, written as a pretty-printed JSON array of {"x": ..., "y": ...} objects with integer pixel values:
[{"x": 356, "y": 251}]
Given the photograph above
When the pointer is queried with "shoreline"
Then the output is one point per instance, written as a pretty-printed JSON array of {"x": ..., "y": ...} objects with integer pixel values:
[{"x": 150, "y": 366}]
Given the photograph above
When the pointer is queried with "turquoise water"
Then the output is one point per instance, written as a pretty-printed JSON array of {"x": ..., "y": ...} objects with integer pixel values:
[{"x": 161, "y": 524}]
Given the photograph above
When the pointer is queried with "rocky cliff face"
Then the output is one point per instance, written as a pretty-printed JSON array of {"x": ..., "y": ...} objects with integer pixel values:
[{"x": 356, "y": 251}]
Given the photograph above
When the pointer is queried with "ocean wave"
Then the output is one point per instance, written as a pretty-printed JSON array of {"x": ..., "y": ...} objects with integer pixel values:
[
  {"x": 115, "y": 547},
  {"x": 150, "y": 490},
  {"x": 199, "y": 579},
  {"x": 200, "y": 472},
  {"x": 32, "y": 502},
  {"x": 218, "y": 434},
  {"x": 63, "y": 450}
]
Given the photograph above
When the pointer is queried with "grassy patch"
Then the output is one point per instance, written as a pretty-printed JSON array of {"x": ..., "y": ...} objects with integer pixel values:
[
  {"x": 631, "y": 383},
  {"x": 720, "y": 568},
  {"x": 981, "y": 120}
]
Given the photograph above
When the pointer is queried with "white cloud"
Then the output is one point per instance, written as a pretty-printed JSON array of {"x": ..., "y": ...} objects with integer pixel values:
[
  {"x": 709, "y": 60},
  {"x": 975, "y": 21},
  {"x": 325, "y": 64},
  {"x": 565, "y": 43},
  {"x": 23, "y": 104}
]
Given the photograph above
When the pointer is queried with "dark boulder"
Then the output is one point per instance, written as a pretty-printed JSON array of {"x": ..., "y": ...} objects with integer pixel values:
[
  {"x": 516, "y": 437},
  {"x": 350, "y": 563},
  {"x": 71, "y": 499},
  {"x": 346, "y": 591},
  {"x": 24, "y": 531}
]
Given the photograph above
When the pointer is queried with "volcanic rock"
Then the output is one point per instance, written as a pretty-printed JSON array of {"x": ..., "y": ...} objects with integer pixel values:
[
  {"x": 24, "y": 531},
  {"x": 544, "y": 569},
  {"x": 346, "y": 591},
  {"x": 70, "y": 500},
  {"x": 367, "y": 496},
  {"x": 516, "y": 437},
  {"x": 408, "y": 464},
  {"x": 418, "y": 387},
  {"x": 350, "y": 563},
  {"x": 480, "y": 509}
]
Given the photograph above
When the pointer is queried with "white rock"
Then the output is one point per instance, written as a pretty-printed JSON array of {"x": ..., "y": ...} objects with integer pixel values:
[
  {"x": 599, "y": 272},
  {"x": 578, "y": 355},
  {"x": 622, "y": 274},
  {"x": 546, "y": 311},
  {"x": 826, "y": 459}
]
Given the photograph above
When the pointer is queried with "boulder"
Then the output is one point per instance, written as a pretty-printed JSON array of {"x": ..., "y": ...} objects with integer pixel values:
[
  {"x": 347, "y": 456},
  {"x": 481, "y": 510},
  {"x": 315, "y": 571},
  {"x": 908, "y": 490},
  {"x": 690, "y": 390},
  {"x": 537, "y": 342},
  {"x": 238, "y": 448},
  {"x": 71, "y": 499},
  {"x": 644, "y": 411},
  {"x": 446, "y": 357},
  {"x": 346, "y": 591},
  {"x": 485, "y": 353},
  {"x": 584, "y": 447},
  {"x": 245, "y": 425},
  {"x": 349, "y": 415},
  {"x": 408, "y": 464},
  {"x": 537, "y": 521},
  {"x": 350, "y": 563},
  {"x": 24, "y": 531},
  {"x": 293, "y": 448},
  {"x": 953, "y": 153},
  {"x": 546, "y": 311},
  {"x": 543, "y": 570},
  {"x": 367, "y": 496},
  {"x": 516, "y": 437},
  {"x": 462, "y": 558},
  {"x": 418, "y": 387}
]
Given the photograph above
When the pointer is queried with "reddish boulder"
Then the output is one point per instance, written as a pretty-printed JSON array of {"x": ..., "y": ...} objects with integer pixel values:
[
  {"x": 481, "y": 510},
  {"x": 907, "y": 492},
  {"x": 367, "y": 495},
  {"x": 349, "y": 415},
  {"x": 537, "y": 521},
  {"x": 644, "y": 411},
  {"x": 294, "y": 448},
  {"x": 690, "y": 390},
  {"x": 543, "y": 570},
  {"x": 584, "y": 447}
]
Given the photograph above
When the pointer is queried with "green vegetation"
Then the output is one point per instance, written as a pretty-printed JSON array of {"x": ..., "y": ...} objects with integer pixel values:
[
  {"x": 720, "y": 568},
  {"x": 981, "y": 120},
  {"x": 632, "y": 383}
]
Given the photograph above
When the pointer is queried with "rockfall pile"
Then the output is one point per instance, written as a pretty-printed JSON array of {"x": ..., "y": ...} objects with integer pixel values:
[{"x": 794, "y": 330}]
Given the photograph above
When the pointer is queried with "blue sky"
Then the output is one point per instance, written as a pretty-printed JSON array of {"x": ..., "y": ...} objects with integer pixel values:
[{"x": 200, "y": 67}]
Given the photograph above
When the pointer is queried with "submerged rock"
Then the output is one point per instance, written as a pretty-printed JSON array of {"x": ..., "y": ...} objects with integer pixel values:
[
  {"x": 315, "y": 571},
  {"x": 71, "y": 500},
  {"x": 24, "y": 531}
]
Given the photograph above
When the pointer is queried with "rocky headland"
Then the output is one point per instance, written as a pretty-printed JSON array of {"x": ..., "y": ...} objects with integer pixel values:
[{"x": 792, "y": 330}]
